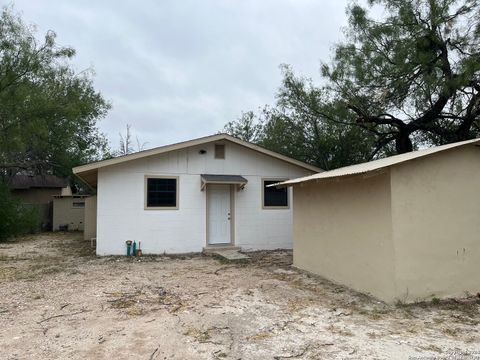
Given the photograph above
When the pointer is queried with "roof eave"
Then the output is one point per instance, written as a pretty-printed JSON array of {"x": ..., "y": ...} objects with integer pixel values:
[{"x": 79, "y": 170}]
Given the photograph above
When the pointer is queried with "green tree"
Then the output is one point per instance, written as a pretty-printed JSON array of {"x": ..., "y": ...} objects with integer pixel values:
[
  {"x": 247, "y": 127},
  {"x": 307, "y": 125},
  {"x": 48, "y": 112},
  {"x": 412, "y": 76},
  {"x": 15, "y": 218}
]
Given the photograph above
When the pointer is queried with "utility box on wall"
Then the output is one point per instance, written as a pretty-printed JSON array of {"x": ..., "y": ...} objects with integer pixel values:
[{"x": 69, "y": 212}]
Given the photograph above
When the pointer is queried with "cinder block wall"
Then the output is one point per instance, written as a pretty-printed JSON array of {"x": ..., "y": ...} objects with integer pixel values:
[{"x": 65, "y": 213}]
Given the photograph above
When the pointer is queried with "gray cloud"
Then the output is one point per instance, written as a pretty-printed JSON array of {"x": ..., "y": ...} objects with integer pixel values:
[{"x": 182, "y": 69}]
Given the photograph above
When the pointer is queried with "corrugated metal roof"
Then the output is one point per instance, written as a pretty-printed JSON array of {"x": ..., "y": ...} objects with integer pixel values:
[{"x": 377, "y": 164}]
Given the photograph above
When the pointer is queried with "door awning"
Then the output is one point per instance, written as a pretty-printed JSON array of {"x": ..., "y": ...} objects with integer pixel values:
[{"x": 238, "y": 180}]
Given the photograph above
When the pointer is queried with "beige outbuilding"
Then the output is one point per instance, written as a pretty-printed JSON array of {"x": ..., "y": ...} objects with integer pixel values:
[
  {"x": 69, "y": 212},
  {"x": 403, "y": 228}
]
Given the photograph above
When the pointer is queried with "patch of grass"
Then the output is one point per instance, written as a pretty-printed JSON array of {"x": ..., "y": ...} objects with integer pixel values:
[
  {"x": 123, "y": 303},
  {"x": 124, "y": 300},
  {"x": 135, "y": 311},
  {"x": 375, "y": 316},
  {"x": 435, "y": 301}
]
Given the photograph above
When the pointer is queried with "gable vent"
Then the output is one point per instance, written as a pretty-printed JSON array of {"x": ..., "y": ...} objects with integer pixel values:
[{"x": 219, "y": 151}]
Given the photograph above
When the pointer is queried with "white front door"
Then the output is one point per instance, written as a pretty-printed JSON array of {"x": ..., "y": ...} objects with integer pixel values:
[{"x": 219, "y": 214}]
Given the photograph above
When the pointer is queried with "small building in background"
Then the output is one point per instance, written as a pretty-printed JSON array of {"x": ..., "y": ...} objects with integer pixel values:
[
  {"x": 69, "y": 212},
  {"x": 403, "y": 228},
  {"x": 90, "y": 224},
  {"x": 38, "y": 191}
]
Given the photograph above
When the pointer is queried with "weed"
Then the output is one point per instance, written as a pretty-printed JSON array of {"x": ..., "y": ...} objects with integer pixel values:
[
  {"x": 375, "y": 316},
  {"x": 135, "y": 311},
  {"x": 435, "y": 301}
]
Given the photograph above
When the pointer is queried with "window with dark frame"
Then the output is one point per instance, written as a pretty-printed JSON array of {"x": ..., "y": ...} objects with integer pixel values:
[
  {"x": 161, "y": 192},
  {"x": 273, "y": 196},
  {"x": 219, "y": 151}
]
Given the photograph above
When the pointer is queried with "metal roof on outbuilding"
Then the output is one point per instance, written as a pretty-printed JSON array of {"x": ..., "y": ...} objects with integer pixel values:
[{"x": 376, "y": 164}]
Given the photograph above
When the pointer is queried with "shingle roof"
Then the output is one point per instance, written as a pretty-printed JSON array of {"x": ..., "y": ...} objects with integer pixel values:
[
  {"x": 377, "y": 164},
  {"x": 19, "y": 182}
]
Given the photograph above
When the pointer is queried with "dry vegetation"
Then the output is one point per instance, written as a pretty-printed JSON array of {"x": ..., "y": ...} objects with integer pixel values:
[{"x": 59, "y": 301}]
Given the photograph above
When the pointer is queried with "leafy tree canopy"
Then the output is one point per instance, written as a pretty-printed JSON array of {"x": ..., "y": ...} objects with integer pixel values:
[
  {"x": 306, "y": 125},
  {"x": 48, "y": 112},
  {"x": 409, "y": 78},
  {"x": 414, "y": 75}
]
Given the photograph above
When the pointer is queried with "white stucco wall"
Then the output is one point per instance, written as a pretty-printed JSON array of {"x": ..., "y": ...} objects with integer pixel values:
[{"x": 120, "y": 202}]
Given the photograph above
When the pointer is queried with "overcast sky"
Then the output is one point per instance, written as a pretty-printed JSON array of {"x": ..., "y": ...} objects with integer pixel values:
[{"x": 180, "y": 69}]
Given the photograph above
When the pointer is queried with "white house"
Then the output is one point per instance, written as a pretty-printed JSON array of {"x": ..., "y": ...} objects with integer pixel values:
[{"x": 203, "y": 193}]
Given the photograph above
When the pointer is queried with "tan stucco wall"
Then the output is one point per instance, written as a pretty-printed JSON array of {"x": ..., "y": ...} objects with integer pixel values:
[
  {"x": 436, "y": 223},
  {"x": 90, "y": 230},
  {"x": 65, "y": 213},
  {"x": 343, "y": 232}
]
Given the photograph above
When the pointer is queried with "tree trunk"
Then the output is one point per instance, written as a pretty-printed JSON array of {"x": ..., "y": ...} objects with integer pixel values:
[{"x": 403, "y": 143}]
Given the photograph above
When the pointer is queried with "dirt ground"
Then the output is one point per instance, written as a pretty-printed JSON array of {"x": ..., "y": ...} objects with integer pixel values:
[{"x": 59, "y": 301}]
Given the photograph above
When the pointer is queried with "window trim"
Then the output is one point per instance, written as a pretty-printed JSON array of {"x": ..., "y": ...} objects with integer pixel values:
[
  {"x": 263, "y": 195},
  {"x": 145, "y": 192}
]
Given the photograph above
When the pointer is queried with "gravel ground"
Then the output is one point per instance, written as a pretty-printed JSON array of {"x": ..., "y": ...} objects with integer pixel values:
[{"x": 59, "y": 301}]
